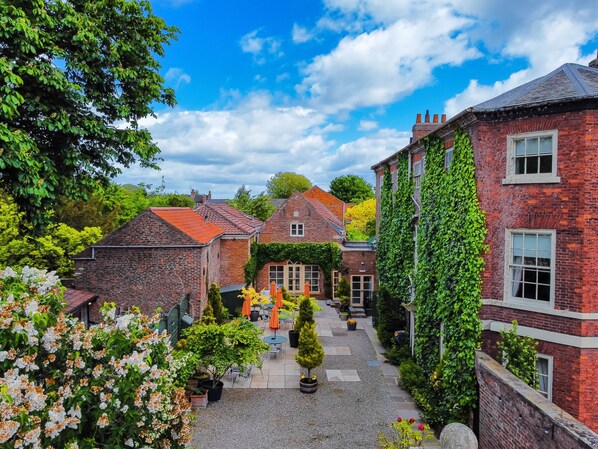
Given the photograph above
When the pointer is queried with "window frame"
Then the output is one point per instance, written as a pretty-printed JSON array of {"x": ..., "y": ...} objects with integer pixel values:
[
  {"x": 362, "y": 293},
  {"x": 448, "y": 159},
  {"x": 536, "y": 178},
  {"x": 299, "y": 229},
  {"x": 550, "y": 375},
  {"x": 417, "y": 177},
  {"x": 508, "y": 262}
]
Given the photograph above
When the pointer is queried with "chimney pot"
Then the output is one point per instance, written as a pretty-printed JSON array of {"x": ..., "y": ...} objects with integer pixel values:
[
  {"x": 443, "y": 118},
  {"x": 435, "y": 118},
  {"x": 418, "y": 118},
  {"x": 427, "y": 116},
  {"x": 594, "y": 62}
]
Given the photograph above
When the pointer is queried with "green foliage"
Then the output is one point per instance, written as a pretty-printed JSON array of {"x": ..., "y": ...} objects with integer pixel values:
[
  {"x": 52, "y": 250},
  {"x": 284, "y": 184},
  {"x": 306, "y": 313},
  {"x": 76, "y": 385},
  {"x": 220, "y": 347},
  {"x": 361, "y": 220},
  {"x": 518, "y": 354},
  {"x": 73, "y": 71},
  {"x": 215, "y": 301},
  {"x": 260, "y": 206},
  {"x": 407, "y": 434},
  {"x": 399, "y": 353},
  {"x": 327, "y": 256},
  {"x": 343, "y": 289},
  {"x": 391, "y": 316},
  {"x": 412, "y": 376},
  {"x": 207, "y": 316},
  {"x": 310, "y": 353},
  {"x": 448, "y": 284},
  {"x": 351, "y": 189},
  {"x": 183, "y": 367},
  {"x": 450, "y": 245}
]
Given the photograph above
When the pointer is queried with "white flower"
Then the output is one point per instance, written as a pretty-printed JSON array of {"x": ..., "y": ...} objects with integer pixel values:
[
  {"x": 123, "y": 322},
  {"x": 8, "y": 273},
  {"x": 129, "y": 442},
  {"x": 3, "y": 355},
  {"x": 31, "y": 308},
  {"x": 103, "y": 406}
]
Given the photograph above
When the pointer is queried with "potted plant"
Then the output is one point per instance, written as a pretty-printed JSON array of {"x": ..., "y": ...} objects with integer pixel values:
[
  {"x": 218, "y": 348},
  {"x": 306, "y": 315},
  {"x": 351, "y": 324},
  {"x": 199, "y": 398},
  {"x": 257, "y": 300},
  {"x": 309, "y": 356}
]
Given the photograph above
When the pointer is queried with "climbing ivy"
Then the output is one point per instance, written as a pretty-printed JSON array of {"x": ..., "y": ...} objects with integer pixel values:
[
  {"x": 450, "y": 245},
  {"x": 518, "y": 354},
  {"x": 395, "y": 260},
  {"x": 448, "y": 285},
  {"x": 327, "y": 256}
]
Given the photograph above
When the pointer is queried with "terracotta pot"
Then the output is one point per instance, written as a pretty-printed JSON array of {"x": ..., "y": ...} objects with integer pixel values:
[{"x": 199, "y": 400}]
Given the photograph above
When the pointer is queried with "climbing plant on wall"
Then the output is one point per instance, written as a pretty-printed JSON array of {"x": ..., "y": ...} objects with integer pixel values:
[
  {"x": 448, "y": 286},
  {"x": 395, "y": 261},
  {"x": 327, "y": 256}
]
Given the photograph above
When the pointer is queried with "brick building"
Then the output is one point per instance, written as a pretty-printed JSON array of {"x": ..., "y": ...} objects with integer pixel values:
[
  {"x": 536, "y": 157},
  {"x": 240, "y": 231},
  {"x": 152, "y": 261},
  {"x": 316, "y": 216}
]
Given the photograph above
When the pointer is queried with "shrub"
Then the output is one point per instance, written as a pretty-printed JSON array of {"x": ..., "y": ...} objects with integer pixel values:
[
  {"x": 310, "y": 353},
  {"x": 518, "y": 355},
  {"x": 215, "y": 300},
  {"x": 391, "y": 316},
  {"x": 66, "y": 386},
  {"x": 306, "y": 313},
  {"x": 399, "y": 353}
]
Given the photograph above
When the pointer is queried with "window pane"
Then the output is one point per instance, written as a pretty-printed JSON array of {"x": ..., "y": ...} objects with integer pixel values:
[
  {"x": 529, "y": 291},
  {"x": 544, "y": 277},
  {"x": 530, "y": 276},
  {"x": 546, "y": 164},
  {"x": 530, "y": 242},
  {"x": 531, "y": 146},
  {"x": 532, "y": 165},
  {"x": 545, "y": 145},
  {"x": 544, "y": 293},
  {"x": 520, "y": 166},
  {"x": 520, "y": 147}
]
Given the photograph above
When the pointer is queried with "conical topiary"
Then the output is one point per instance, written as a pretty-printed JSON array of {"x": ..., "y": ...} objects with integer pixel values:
[
  {"x": 310, "y": 353},
  {"x": 208, "y": 315},
  {"x": 215, "y": 300},
  {"x": 306, "y": 313}
]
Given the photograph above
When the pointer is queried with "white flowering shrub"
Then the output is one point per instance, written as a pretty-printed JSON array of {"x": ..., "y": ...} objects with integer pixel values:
[{"x": 64, "y": 386}]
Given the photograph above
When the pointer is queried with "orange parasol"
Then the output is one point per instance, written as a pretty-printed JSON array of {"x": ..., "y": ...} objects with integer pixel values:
[
  {"x": 274, "y": 320},
  {"x": 273, "y": 289},
  {"x": 279, "y": 298},
  {"x": 306, "y": 289},
  {"x": 246, "y": 311}
]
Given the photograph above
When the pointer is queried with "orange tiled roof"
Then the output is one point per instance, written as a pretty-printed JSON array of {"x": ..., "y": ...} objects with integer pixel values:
[
  {"x": 233, "y": 221},
  {"x": 186, "y": 220},
  {"x": 335, "y": 206}
]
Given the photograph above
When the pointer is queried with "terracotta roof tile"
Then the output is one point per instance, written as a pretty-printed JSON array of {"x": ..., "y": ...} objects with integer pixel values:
[
  {"x": 333, "y": 204},
  {"x": 231, "y": 220},
  {"x": 326, "y": 214},
  {"x": 187, "y": 221}
]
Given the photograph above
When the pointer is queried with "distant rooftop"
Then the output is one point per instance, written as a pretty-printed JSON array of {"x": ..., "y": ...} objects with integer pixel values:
[
  {"x": 233, "y": 221},
  {"x": 187, "y": 221}
]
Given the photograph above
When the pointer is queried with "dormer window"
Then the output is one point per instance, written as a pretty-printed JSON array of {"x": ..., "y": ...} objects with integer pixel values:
[{"x": 297, "y": 230}]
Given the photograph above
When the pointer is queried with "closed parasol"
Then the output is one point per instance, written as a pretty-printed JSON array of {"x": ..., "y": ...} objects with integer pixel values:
[
  {"x": 246, "y": 311},
  {"x": 274, "y": 320}
]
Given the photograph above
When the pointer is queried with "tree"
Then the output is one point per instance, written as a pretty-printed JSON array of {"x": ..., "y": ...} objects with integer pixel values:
[
  {"x": 351, "y": 189},
  {"x": 306, "y": 313},
  {"x": 77, "y": 79},
  {"x": 219, "y": 312},
  {"x": 260, "y": 206},
  {"x": 284, "y": 184},
  {"x": 310, "y": 353},
  {"x": 361, "y": 220}
]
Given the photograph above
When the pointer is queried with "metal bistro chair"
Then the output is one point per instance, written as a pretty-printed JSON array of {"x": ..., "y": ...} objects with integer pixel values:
[{"x": 244, "y": 373}]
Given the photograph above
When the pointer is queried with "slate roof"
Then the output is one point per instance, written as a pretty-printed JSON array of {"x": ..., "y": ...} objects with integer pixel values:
[
  {"x": 76, "y": 298},
  {"x": 568, "y": 82},
  {"x": 187, "y": 221},
  {"x": 231, "y": 220}
]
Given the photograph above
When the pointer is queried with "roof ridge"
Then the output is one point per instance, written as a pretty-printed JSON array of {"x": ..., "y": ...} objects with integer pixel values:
[{"x": 577, "y": 82}]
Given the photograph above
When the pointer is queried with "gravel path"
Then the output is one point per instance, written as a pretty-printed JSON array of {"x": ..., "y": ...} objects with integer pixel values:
[{"x": 339, "y": 415}]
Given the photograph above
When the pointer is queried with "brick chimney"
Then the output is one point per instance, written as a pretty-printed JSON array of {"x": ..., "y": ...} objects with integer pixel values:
[
  {"x": 421, "y": 129},
  {"x": 594, "y": 62}
]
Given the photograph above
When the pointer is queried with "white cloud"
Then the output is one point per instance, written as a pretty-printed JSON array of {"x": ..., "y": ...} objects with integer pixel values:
[
  {"x": 177, "y": 76},
  {"x": 300, "y": 34},
  {"x": 260, "y": 47},
  {"x": 367, "y": 125},
  {"x": 384, "y": 65}
]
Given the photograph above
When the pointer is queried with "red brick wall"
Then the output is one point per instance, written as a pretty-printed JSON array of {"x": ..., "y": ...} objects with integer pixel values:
[
  {"x": 352, "y": 262},
  {"x": 278, "y": 227},
  {"x": 561, "y": 206},
  {"x": 234, "y": 256},
  {"x": 512, "y": 415}
]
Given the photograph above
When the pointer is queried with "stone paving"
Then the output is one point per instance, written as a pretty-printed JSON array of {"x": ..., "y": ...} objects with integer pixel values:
[{"x": 358, "y": 396}]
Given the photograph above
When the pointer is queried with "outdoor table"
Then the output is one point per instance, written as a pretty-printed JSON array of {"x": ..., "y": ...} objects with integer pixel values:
[{"x": 272, "y": 340}]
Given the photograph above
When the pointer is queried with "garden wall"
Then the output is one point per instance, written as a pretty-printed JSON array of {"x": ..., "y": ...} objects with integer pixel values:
[{"x": 513, "y": 415}]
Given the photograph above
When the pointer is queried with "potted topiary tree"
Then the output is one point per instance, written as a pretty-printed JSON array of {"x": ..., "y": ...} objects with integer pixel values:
[
  {"x": 309, "y": 356},
  {"x": 215, "y": 300},
  {"x": 218, "y": 348},
  {"x": 306, "y": 315}
]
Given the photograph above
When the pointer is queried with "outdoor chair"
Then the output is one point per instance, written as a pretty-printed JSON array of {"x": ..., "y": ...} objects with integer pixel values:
[{"x": 244, "y": 373}]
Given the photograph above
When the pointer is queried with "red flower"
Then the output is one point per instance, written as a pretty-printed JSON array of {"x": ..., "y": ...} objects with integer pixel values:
[
  {"x": 421, "y": 427},
  {"x": 411, "y": 420},
  {"x": 399, "y": 419}
]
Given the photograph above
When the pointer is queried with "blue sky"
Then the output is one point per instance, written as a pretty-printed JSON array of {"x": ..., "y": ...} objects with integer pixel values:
[{"x": 328, "y": 88}]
